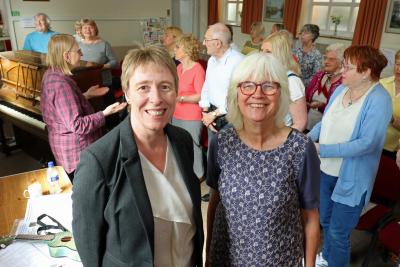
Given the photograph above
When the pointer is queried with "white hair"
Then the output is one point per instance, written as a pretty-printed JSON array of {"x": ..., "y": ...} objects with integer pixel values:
[
  {"x": 338, "y": 48},
  {"x": 258, "y": 67},
  {"x": 220, "y": 31}
]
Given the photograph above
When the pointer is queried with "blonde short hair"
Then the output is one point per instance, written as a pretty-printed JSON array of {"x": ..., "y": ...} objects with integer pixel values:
[
  {"x": 282, "y": 51},
  {"x": 397, "y": 55},
  {"x": 259, "y": 28},
  {"x": 143, "y": 56},
  {"x": 191, "y": 46},
  {"x": 78, "y": 25},
  {"x": 176, "y": 32},
  {"x": 91, "y": 23},
  {"x": 58, "y": 45},
  {"x": 258, "y": 67}
]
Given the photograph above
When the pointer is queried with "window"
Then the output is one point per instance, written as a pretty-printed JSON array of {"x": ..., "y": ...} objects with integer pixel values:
[
  {"x": 345, "y": 10},
  {"x": 233, "y": 12}
]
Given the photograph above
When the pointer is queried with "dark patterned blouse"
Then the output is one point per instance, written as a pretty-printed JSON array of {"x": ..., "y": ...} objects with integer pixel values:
[{"x": 258, "y": 221}]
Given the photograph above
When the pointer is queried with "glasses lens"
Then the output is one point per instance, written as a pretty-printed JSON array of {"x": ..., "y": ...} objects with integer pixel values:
[
  {"x": 269, "y": 87},
  {"x": 247, "y": 87}
]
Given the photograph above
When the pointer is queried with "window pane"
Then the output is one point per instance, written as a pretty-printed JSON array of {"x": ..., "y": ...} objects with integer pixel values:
[
  {"x": 240, "y": 14},
  {"x": 319, "y": 15},
  {"x": 344, "y": 13},
  {"x": 354, "y": 19},
  {"x": 231, "y": 12}
]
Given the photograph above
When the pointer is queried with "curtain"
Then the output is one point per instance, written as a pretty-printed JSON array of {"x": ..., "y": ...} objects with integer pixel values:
[
  {"x": 251, "y": 12},
  {"x": 370, "y": 21},
  {"x": 213, "y": 12},
  {"x": 291, "y": 14}
]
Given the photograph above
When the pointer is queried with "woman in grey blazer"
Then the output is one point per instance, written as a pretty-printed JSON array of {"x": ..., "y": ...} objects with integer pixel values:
[{"x": 136, "y": 200}]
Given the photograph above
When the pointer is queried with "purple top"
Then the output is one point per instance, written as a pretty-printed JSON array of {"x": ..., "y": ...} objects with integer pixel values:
[
  {"x": 69, "y": 117},
  {"x": 258, "y": 220}
]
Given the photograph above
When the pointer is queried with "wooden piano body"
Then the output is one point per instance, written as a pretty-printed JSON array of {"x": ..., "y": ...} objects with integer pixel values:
[{"x": 21, "y": 75}]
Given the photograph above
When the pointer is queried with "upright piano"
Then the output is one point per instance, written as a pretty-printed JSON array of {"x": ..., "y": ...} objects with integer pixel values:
[{"x": 21, "y": 76}]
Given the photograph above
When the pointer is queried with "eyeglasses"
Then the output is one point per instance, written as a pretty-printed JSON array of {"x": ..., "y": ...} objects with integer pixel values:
[
  {"x": 330, "y": 58},
  {"x": 347, "y": 67},
  {"x": 267, "y": 88},
  {"x": 209, "y": 40}
]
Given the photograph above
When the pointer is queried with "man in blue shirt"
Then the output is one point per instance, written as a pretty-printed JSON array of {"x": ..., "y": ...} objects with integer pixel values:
[{"x": 37, "y": 41}]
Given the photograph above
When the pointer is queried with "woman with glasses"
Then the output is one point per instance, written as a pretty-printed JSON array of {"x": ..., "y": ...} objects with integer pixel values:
[
  {"x": 324, "y": 83},
  {"x": 278, "y": 45},
  {"x": 264, "y": 178},
  {"x": 310, "y": 59},
  {"x": 349, "y": 139},
  {"x": 71, "y": 121}
]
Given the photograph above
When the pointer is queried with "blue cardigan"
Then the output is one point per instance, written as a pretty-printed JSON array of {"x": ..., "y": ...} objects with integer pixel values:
[{"x": 361, "y": 154}]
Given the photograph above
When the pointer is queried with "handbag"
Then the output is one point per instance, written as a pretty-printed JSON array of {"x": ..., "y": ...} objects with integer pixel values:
[{"x": 220, "y": 121}]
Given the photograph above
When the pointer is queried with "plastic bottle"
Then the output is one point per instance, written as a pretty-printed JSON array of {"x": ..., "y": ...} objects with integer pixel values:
[{"x": 52, "y": 178}]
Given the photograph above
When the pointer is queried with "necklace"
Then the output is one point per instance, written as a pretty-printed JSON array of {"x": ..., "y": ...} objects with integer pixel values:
[{"x": 355, "y": 99}]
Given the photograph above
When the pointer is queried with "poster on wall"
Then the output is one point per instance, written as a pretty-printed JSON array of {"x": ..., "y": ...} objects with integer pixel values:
[
  {"x": 393, "y": 18},
  {"x": 153, "y": 30},
  {"x": 273, "y": 10}
]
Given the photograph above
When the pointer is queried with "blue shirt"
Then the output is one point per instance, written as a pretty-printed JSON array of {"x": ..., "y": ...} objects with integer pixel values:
[
  {"x": 38, "y": 41},
  {"x": 361, "y": 154}
]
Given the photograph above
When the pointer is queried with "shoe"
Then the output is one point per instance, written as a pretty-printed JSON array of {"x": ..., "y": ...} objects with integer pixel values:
[
  {"x": 205, "y": 197},
  {"x": 320, "y": 261}
]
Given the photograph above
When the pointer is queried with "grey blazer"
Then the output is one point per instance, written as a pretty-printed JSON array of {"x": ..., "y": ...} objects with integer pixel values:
[{"x": 112, "y": 217}]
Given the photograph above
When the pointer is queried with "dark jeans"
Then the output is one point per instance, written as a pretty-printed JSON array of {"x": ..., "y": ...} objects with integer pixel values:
[{"x": 337, "y": 221}]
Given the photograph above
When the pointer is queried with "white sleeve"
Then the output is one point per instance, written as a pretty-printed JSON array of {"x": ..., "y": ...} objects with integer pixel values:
[{"x": 296, "y": 88}]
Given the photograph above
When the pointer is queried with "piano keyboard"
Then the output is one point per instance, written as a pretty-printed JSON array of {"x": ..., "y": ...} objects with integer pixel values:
[{"x": 22, "y": 117}]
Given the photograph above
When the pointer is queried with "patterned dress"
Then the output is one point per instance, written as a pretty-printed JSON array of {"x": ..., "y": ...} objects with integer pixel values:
[
  {"x": 258, "y": 221},
  {"x": 310, "y": 63}
]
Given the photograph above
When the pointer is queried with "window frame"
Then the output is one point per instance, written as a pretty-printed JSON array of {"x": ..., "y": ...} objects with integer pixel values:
[
  {"x": 238, "y": 19},
  {"x": 336, "y": 3}
]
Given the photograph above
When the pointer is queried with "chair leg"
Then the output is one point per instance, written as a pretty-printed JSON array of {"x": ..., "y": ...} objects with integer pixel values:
[{"x": 370, "y": 250}]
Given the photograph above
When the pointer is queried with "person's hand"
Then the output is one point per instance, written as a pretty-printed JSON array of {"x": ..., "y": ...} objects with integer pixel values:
[
  {"x": 95, "y": 91},
  {"x": 317, "y": 147},
  {"x": 114, "y": 108},
  {"x": 208, "y": 118},
  {"x": 315, "y": 104}
]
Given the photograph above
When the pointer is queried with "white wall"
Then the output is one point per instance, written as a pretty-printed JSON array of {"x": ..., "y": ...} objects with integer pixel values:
[{"x": 118, "y": 20}]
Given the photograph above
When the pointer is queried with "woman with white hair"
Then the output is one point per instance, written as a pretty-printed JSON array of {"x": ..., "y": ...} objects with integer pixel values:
[
  {"x": 324, "y": 83},
  {"x": 264, "y": 178}
]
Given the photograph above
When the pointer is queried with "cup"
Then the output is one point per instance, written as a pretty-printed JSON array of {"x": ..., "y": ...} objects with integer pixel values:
[{"x": 34, "y": 190}]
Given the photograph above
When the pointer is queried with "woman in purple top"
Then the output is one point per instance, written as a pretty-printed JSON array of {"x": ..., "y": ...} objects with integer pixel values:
[
  {"x": 71, "y": 121},
  {"x": 264, "y": 176}
]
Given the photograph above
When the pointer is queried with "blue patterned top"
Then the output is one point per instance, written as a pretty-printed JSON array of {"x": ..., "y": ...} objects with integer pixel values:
[
  {"x": 310, "y": 63},
  {"x": 258, "y": 221}
]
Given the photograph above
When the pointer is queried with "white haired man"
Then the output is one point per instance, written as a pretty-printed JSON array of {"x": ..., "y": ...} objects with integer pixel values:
[
  {"x": 220, "y": 66},
  {"x": 38, "y": 40}
]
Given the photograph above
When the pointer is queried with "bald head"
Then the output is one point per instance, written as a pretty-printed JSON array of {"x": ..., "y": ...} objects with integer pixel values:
[{"x": 221, "y": 31}]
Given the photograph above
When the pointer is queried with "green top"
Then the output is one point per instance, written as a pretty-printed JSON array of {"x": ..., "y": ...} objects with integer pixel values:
[{"x": 250, "y": 47}]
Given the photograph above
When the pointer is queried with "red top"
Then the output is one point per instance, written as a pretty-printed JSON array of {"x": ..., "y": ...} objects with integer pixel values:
[
  {"x": 190, "y": 83},
  {"x": 315, "y": 85}
]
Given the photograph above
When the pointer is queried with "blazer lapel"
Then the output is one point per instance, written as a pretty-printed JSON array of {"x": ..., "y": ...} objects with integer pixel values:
[{"x": 134, "y": 174}]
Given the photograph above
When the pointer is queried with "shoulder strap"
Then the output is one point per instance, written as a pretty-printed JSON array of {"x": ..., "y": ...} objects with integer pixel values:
[{"x": 292, "y": 74}]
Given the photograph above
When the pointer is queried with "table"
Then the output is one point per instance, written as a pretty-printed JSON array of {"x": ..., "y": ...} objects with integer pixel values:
[{"x": 12, "y": 201}]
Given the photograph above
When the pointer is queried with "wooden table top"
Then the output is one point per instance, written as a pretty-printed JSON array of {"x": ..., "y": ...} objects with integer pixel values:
[{"x": 12, "y": 201}]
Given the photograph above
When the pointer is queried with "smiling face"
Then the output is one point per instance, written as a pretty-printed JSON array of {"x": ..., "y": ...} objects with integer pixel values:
[
  {"x": 88, "y": 31},
  {"x": 152, "y": 97},
  {"x": 41, "y": 24},
  {"x": 259, "y": 107}
]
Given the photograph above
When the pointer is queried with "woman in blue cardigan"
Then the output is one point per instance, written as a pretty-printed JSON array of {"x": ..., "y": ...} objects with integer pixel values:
[{"x": 349, "y": 140}]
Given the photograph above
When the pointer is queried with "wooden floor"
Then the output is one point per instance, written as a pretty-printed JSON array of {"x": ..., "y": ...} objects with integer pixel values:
[{"x": 18, "y": 162}]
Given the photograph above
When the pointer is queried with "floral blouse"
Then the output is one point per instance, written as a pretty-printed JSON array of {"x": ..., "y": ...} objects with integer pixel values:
[{"x": 310, "y": 63}]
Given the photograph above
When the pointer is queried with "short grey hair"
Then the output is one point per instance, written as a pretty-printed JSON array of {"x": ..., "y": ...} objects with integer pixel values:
[
  {"x": 338, "y": 48},
  {"x": 258, "y": 67},
  {"x": 41, "y": 14},
  {"x": 311, "y": 28},
  {"x": 221, "y": 31}
]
